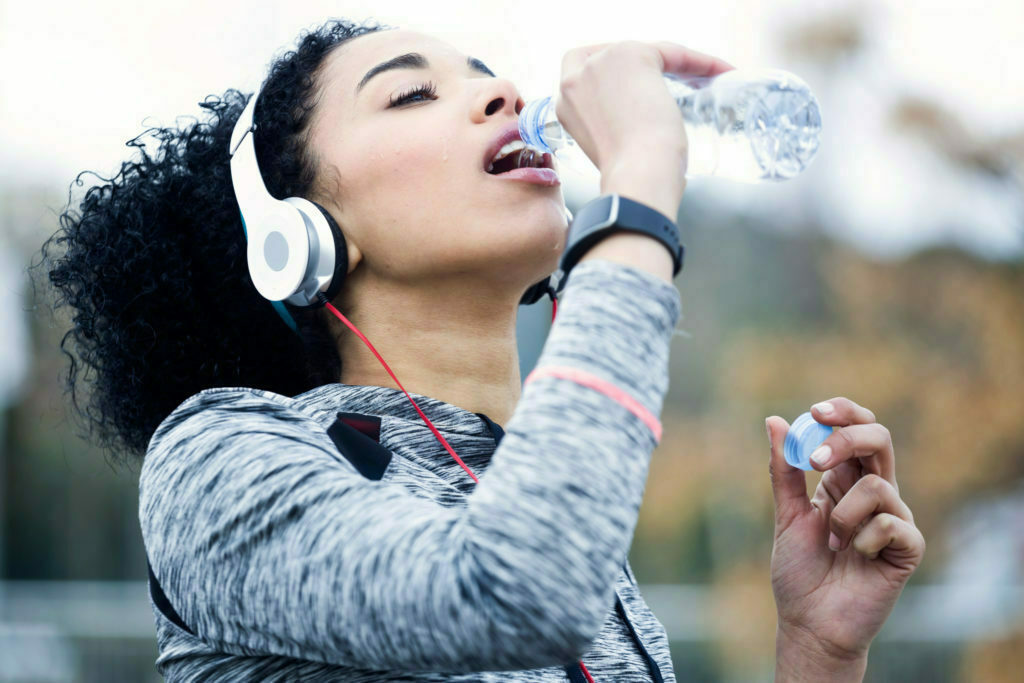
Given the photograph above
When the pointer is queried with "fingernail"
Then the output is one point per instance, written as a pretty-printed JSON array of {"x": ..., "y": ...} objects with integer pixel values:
[
  {"x": 821, "y": 456},
  {"x": 768, "y": 431},
  {"x": 833, "y": 541},
  {"x": 824, "y": 408}
]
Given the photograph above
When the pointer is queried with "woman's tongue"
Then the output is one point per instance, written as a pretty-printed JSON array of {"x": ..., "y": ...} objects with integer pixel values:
[{"x": 509, "y": 163}]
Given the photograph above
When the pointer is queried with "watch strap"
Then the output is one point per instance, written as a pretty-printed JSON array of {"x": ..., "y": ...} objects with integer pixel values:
[{"x": 612, "y": 213}]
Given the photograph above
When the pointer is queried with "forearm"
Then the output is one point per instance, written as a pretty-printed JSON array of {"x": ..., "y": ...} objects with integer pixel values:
[
  {"x": 802, "y": 659},
  {"x": 563, "y": 492}
]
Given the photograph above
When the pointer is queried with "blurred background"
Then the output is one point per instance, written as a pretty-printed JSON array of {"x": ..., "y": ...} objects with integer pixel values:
[{"x": 890, "y": 272}]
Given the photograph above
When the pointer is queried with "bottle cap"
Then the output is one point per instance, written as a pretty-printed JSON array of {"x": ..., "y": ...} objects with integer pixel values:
[{"x": 804, "y": 435}]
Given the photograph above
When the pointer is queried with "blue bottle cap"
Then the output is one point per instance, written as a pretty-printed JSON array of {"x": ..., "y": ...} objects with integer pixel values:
[{"x": 804, "y": 435}]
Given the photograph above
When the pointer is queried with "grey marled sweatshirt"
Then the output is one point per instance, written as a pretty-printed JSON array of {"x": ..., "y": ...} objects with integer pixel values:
[{"x": 287, "y": 564}]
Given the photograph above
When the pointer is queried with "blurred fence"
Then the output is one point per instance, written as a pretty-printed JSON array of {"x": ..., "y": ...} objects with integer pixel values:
[{"x": 104, "y": 630}]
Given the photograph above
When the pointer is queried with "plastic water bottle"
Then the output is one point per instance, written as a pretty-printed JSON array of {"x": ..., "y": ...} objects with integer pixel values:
[{"x": 751, "y": 125}]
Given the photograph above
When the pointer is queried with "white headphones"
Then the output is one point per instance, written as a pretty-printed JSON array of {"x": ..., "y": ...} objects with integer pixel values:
[
  {"x": 296, "y": 251},
  {"x": 295, "y": 248}
]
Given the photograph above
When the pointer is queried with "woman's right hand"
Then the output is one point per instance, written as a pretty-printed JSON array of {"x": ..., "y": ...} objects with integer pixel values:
[{"x": 614, "y": 103}]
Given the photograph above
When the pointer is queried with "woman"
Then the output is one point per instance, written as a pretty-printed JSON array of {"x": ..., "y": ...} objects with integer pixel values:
[{"x": 301, "y": 521}]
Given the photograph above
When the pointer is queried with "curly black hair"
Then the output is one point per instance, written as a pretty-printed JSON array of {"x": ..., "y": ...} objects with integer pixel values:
[{"x": 154, "y": 264}]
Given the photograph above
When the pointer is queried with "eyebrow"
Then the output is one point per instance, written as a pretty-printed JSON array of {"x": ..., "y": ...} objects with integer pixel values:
[{"x": 414, "y": 60}]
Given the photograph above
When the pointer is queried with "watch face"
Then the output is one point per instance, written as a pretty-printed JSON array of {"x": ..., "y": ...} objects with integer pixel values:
[
  {"x": 612, "y": 211},
  {"x": 605, "y": 212}
]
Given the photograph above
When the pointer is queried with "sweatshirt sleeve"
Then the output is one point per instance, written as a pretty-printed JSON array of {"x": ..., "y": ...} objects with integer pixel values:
[{"x": 266, "y": 540}]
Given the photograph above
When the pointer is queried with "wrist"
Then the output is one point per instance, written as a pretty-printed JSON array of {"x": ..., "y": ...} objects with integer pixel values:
[
  {"x": 801, "y": 657},
  {"x": 633, "y": 249},
  {"x": 643, "y": 178}
]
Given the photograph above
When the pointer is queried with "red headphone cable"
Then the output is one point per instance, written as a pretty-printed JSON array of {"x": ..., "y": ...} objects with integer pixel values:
[{"x": 323, "y": 299}]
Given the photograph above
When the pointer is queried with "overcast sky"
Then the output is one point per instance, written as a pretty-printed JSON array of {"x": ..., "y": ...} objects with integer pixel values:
[{"x": 81, "y": 78}]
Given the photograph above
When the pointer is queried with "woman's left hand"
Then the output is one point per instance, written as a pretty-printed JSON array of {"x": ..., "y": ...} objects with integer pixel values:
[{"x": 834, "y": 601}]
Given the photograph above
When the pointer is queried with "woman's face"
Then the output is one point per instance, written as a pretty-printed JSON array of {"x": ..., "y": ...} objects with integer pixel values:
[{"x": 407, "y": 183}]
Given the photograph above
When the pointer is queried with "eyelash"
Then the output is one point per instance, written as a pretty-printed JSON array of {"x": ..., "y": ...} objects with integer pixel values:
[{"x": 428, "y": 89}]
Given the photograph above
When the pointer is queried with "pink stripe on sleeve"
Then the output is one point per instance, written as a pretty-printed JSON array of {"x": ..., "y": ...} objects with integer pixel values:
[{"x": 605, "y": 387}]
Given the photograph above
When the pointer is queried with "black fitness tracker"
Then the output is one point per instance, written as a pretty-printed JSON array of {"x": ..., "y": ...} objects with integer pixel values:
[{"x": 612, "y": 213}]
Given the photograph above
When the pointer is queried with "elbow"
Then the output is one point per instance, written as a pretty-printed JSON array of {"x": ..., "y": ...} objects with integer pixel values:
[
  {"x": 565, "y": 642},
  {"x": 547, "y": 641},
  {"x": 589, "y": 621},
  {"x": 530, "y": 611},
  {"x": 580, "y": 610},
  {"x": 578, "y": 618},
  {"x": 549, "y": 627},
  {"x": 581, "y": 645}
]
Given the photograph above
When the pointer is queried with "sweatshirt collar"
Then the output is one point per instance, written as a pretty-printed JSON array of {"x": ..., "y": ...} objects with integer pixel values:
[{"x": 393, "y": 403}]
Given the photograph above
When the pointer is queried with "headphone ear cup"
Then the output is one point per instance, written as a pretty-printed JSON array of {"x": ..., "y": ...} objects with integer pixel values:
[{"x": 340, "y": 253}]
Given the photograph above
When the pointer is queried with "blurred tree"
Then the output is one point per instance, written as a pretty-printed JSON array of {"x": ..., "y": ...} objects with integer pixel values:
[
  {"x": 1000, "y": 661},
  {"x": 934, "y": 345}
]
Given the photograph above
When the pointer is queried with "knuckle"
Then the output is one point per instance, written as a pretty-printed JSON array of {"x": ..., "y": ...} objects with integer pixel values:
[
  {"x": 632, "y": 49},
  {"x": 874, "y": 484},
  {"x": 830, "y": 484},
  {"x": 590, "y": 65},
  {"x": 569, "y": 82},
  {"x": 629, "y": 45},
  {"x": 886, "y": 522},
  {"x": 846, "y": 437},
  {"x": 886, "y": 434},
  {"x": 575, "y": 59},
  {"x": 838, "y": 521},
  {"x": 862, "y": 544}
]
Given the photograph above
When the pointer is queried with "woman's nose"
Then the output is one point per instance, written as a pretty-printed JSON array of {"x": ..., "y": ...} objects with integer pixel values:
[{"x": 500, "y": 94}]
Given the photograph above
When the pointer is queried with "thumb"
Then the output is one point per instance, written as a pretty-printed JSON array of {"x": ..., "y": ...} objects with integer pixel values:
[{"x": 789, "y": 487}]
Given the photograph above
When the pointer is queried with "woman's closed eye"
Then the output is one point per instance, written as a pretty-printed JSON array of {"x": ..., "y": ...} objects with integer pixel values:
[{"x": 428, "y": 89}]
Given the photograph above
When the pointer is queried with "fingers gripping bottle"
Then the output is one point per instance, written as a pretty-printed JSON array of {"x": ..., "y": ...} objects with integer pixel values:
[{"x": 752, "y": 126}]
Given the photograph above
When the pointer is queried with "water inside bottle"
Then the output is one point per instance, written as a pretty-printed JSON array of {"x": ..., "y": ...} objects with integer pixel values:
[
  {"x": 749, "y": 125},
  {"x": 767, "y": 129}
]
